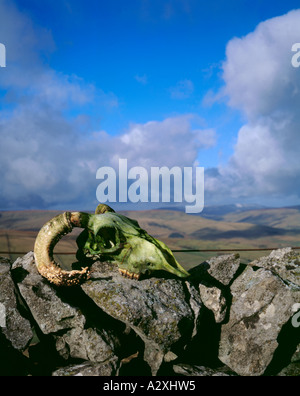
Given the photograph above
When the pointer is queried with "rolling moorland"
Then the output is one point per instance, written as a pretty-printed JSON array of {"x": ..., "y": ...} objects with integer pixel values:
[{"x": 226, "y": 227}]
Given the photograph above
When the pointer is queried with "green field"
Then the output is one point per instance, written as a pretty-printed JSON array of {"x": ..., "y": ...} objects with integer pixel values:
[{"x": 261, "y": 228}]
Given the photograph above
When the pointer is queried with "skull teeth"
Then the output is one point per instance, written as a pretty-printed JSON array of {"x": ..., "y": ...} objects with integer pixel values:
[{"x": 128, "y": 274}]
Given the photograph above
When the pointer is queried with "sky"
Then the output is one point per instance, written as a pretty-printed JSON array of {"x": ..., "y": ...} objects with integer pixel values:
[{"x": 161, "y": 83}]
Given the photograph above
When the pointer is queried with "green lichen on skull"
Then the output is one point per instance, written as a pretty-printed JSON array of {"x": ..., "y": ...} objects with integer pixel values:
[
  {"x": 107, "y": 236},
  {"x": 114, "y": 237}
]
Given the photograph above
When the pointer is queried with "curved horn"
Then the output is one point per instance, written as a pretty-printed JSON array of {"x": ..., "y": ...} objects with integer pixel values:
[{"x": 46, "y": 240}]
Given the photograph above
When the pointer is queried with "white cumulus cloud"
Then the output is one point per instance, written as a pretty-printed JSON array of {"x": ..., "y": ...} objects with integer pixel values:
[
  {"x": 261, "y": 82},
  {"x": 49, "y": 158},
  {"x": 171, "y": 142},
  {"x": 41, "y": 146}
]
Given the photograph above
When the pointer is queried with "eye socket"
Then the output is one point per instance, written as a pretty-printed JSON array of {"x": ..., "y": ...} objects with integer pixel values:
[{"x": 107, "y": 236}]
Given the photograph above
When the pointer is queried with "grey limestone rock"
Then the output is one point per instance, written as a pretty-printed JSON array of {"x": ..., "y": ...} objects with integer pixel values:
[
  {"x": 15, "y": 327},
  {"x": 213, "y": 298},
  {"x": 66, "y": 323},
  {"x": 285, "y": 263},
  {"x": 264, "y": 298},
  {"x": 200, "y": 371},
  {"x": 87, "y": 369},
  {"x": 49, "y": 311},
  {"x": 221, "y": 269},
  {"x": 245, "y": 317},
  {"x": 157, "y": 309}
]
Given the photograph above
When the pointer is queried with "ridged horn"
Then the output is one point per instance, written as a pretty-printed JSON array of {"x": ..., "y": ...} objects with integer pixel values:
[{"x": 46, "y": 240}]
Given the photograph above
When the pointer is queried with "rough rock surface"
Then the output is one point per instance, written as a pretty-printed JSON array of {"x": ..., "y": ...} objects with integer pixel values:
[
  {"x": 48, "y": 310},
  {"x": 221, "y": 269},
  {"x": 213, "y": 298},
  {"x": 200, "y": 371},
  {"x": 87, "y": 369},
  {"x": 15, "y": 327},
  {"x": 60, "y": 319},
  {"x": 157, "y": 309},
  {"x": 244, "y": 316},
  {"x": 263, "y": 304}
]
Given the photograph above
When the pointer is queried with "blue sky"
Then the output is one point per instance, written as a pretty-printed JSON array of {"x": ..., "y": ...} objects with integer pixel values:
[{"x": 159, "y": 82}]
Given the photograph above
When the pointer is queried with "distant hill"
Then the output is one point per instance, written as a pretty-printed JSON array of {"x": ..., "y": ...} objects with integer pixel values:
[
  {"x": 285, "y": 218},
  {"x": 219, "y": 212},
  {"x": 25, "y": 220},
  {"x": 227, "y": 227}
]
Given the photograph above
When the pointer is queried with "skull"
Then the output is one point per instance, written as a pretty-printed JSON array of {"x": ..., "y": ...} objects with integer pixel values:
[{"x": 107, "y": 236}]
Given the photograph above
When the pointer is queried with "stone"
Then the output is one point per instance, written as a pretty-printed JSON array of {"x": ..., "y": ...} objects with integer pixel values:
[
  {"x": 292, "y": 370},
  {"x": 49, "y": 311},
  {"x": 296, "y": 355},
  {"x": 212, "y": 279},
  {"x": 157, "y": 309},
  {"x": 221, "y": 269},
  {"x": 87, "y": 369},
  {"x": 85, "y": 344},
  {"x": 196, "y": 305},
  {"x": 200, "y": 371},
  {"x": 15, "y": 327},
  {"x": 55, "y": 317},
  {"x": 214, "y": 300},
  {"x": 246, "y": 317},
  {"x": 224, "y": 268},
  {"x": 284, "y": 263},
  {"x": 262, "y": 307}
]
